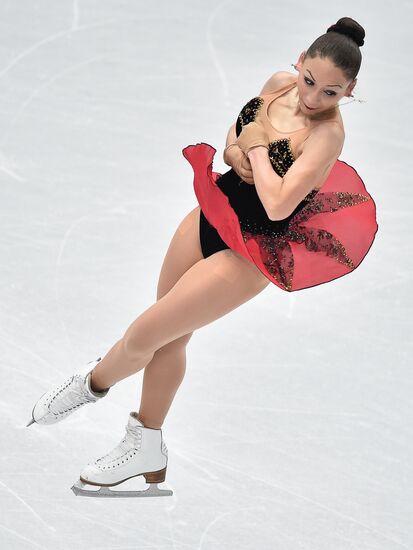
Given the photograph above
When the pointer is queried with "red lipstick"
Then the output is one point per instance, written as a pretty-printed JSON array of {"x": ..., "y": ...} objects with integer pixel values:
[{"x": 309, "y": 108}]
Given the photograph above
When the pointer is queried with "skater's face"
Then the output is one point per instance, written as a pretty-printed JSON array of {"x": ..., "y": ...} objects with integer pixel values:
[{"x": 320, "y": 84}]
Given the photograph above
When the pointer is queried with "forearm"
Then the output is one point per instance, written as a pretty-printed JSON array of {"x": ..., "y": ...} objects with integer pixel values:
[{"x": 267, "y": 182}]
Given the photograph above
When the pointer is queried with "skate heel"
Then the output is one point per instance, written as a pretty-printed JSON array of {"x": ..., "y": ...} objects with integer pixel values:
[{"x": 155, "y": 477}]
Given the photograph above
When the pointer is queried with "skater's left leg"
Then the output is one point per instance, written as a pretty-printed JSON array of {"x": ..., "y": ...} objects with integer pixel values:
[{"x": 207, "y": 291}]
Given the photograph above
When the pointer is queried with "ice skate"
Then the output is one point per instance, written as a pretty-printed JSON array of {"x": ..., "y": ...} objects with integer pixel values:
[
  {"x": 63, "y": 400},
  {"x": 142, "y": 452}
]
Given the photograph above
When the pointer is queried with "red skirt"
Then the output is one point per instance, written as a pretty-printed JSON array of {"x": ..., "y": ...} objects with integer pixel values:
[{"x": 326, "y": 239}]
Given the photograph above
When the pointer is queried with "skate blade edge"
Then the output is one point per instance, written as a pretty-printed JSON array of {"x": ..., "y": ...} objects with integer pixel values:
[{"x": 152, "y": 491}]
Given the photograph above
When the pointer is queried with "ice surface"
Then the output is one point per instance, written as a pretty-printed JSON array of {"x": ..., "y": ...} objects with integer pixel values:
[{"x": 293, "y": 427}]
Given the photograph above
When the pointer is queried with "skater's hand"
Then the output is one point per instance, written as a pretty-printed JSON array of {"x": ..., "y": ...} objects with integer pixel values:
[
  {"x": 252, "y": 135},
  {"x": 241, "y": 165}
]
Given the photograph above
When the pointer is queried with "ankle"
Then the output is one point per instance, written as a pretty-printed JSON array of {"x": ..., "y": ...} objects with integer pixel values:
[
  {"x": 148, "y": 424},
  {"x": 96, "y": 387}
]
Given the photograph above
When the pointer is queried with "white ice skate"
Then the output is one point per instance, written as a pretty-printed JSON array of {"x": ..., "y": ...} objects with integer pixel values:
[
  {"x": 58, "y": 403},
  {"x": 142, "y": 452}
]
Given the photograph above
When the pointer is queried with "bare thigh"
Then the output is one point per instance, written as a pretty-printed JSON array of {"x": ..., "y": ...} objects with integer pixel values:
[
  {"x": 183, "y": 252},
  {"x": 210, "y": 289}
]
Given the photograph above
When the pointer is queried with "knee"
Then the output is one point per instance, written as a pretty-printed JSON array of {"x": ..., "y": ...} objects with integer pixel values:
[
  {"x": 134, "y": 347},
  {"x": 178, "y": 344}
]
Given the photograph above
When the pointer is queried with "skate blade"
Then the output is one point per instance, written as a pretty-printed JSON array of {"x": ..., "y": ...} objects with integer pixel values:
[
  {"x": 152, "y": 491},
  {"x": 32, "y": 421}
]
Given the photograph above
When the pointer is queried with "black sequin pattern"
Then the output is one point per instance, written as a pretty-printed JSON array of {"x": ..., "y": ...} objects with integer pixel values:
[
  {"x": 275, "y": 249},
  {"x": 280, "y": 155},
  {"x": 273, "y": 237},
  {"x": 248, "y": 113}
]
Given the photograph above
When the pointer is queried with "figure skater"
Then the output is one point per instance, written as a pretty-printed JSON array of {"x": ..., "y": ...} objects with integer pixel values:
[{"x": 287, "y": 212}]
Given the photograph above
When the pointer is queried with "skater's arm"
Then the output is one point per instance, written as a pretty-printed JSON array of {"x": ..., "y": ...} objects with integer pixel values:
[
  {"x": 280, "y": 196},
  {"x": 267, "y": 182}
]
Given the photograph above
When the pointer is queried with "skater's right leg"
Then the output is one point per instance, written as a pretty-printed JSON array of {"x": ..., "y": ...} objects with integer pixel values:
[{"x": 79, "y": 389}]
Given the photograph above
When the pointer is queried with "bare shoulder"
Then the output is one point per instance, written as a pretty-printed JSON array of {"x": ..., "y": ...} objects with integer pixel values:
[
  {"x": 329, "y": 128},
  {"x": 331, "y": 132},
  {"x": 276, "y": 81},
  {"x": 329, "y": 123},
  {"x": 328, "y": 132}
]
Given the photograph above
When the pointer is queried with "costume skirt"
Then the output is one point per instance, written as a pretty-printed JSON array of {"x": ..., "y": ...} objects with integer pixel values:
[{"x": 324, "y": 240}]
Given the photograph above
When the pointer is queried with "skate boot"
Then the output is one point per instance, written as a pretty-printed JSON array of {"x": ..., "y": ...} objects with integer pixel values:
[
  {"x": 60, "y": 402},
  {"x": 142, "y": 452}
]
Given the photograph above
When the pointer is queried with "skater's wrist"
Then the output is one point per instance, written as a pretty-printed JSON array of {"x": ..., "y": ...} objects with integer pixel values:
[{"x": 232, "y": 152}]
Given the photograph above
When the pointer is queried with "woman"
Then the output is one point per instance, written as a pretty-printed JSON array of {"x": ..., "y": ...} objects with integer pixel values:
[{"x": 287, "y": 212}]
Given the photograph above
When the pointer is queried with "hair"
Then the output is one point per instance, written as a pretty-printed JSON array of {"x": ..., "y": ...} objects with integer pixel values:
[{"x": 341, "y": 43}]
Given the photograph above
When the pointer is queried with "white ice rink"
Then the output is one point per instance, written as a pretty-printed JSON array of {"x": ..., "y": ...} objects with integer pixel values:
[{"x": 292, "y": 429}]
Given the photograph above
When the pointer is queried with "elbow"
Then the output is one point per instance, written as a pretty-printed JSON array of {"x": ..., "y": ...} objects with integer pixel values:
[
  {"x": 272, "y": 209},
  {"x": 278, "y": 214},
  {"x": 274, "y": 214}
]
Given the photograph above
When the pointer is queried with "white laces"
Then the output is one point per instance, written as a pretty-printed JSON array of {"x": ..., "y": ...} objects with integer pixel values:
[
  {"x": 131, "y": 441},
  {"x": 75, "y": 394}
]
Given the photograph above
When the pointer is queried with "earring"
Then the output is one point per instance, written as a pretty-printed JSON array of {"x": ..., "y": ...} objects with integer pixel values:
[
  {"x": 347, "y": 102},
  {"x": 295, "y": 66}
]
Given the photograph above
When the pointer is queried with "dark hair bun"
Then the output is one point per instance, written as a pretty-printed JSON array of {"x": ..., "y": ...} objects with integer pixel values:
[{"x": 350, "y": 28}]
